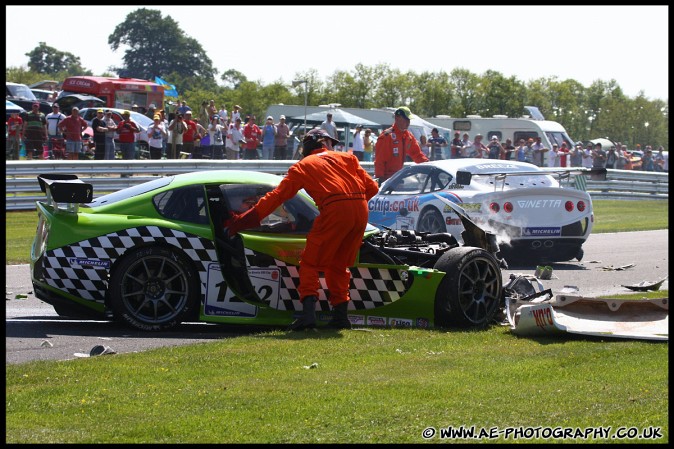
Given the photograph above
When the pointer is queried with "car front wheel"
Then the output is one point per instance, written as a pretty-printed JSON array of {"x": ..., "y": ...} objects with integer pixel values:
[
  {"x": 154, "y": 288},
  {"x": 431, "y": 221},
  {"x": 470, "y": 292}
]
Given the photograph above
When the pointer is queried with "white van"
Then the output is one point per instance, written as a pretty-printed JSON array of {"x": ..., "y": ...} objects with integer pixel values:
[{"x": 508, "y": 128}]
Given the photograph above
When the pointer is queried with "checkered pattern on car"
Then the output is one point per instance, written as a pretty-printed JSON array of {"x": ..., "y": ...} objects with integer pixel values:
[
  {"x": 90, "y": 281},
  {"x": 369, "y": 287}
]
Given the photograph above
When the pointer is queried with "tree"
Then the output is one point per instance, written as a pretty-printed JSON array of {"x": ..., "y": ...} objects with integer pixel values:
[
  {"x": 466, "y": 94},
  {"x": 158, "y": 46},
  {"x": 499, "y": 94},
  {"x": 48, "y": 60},
  {"x": 432, "y": 94},
  {"x": 233, "y": 78}
]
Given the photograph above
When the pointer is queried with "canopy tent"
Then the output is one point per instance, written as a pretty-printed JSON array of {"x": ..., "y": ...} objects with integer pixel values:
[{"x": 340, "y": 118}]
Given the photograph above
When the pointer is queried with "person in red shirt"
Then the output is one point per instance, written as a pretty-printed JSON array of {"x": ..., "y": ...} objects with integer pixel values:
[
  {"x": 394, "y": 144},
  {"x": 564, "y": 155},
  {"x": 341, "y": 188},
  {"x": 252, "y": 133},
  {"x": 14, "y": 129},
  {"x": 127, "y": 130},
  {"x": 72, "y": 128},
  {"x": 193, "y": 134}
]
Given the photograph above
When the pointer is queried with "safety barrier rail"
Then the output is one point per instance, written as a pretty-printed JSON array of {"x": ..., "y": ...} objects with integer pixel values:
[{"x": 23, "y": 190}]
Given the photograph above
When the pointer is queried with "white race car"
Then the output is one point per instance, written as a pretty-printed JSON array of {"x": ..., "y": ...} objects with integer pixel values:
[{"x": 537, "y": 216}]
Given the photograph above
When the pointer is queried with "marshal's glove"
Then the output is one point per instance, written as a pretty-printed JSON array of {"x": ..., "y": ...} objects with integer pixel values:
[{"x": 240, "y": 222}]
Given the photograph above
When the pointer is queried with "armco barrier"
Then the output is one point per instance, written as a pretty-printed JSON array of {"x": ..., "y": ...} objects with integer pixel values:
[{"x": 22, "y": 188}]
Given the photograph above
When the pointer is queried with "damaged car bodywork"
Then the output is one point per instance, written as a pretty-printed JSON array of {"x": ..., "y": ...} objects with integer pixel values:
[
  {"x": 532, "y": 311},
  {"x": 535, "y": 212}
]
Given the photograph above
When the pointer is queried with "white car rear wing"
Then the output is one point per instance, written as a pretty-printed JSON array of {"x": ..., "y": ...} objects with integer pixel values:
[{"x": 562, "y": 174}]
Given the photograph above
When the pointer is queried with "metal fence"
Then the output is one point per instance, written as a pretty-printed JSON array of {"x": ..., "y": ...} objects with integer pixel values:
[{"x": 23, "y": 190}]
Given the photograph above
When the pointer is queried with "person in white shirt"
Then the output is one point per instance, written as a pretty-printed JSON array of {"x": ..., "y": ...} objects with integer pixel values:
[
  {"x": 234, "y": 138},
  {"x": 553, "y": 157},
  {"x": 330, "y": 126},
  {"x": 236, "y": 113},
  {"x": 358, "y": 146},
  {"x": 223, "y": 114},
  {"x": 215, "y": 134},
  {"x": 155, "y": 137},
  {"x": 466, "y": 142},
  {"x": 53, "y": 119},
  {"x": 587, "y": 156}
]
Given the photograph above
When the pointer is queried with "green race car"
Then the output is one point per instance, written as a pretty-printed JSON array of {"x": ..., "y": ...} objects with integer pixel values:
[{"x": 156, "y": 254}]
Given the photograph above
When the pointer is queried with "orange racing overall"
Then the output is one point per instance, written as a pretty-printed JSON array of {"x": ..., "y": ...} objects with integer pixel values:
[
  {"x": 390, "y": 150},
  {"x": 340, "y": 187}
]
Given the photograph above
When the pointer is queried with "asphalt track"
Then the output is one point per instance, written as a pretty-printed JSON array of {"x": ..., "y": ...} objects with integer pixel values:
[{"x": 34, "y": 331}]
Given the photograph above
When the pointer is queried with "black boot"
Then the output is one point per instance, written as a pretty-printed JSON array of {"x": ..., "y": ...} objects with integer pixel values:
[
  {"x": 308, "y": 318},
  {"x": 339, "y": 318}
]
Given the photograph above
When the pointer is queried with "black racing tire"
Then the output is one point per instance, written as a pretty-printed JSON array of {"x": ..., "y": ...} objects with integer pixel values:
[
  {"x": 580, "y": 253},
  {"x": 430, "y": 220},
  {"x": 469, "y": 294},
  {"x": 154, "y": 288}
]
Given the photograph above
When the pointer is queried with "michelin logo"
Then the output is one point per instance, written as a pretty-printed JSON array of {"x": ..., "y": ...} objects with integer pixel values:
[
  {"x": 541, "y": 232},
  {"x": 89, "y": 262}
]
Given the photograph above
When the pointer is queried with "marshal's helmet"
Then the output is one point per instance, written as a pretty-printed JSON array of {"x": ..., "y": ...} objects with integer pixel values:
[{"x": 312, "y": 140}]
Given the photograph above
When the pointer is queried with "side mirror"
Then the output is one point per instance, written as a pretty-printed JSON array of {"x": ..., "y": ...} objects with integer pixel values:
[{"x": 463, "y": 177}]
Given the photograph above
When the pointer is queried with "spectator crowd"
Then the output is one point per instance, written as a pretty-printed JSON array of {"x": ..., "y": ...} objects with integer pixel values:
[{"x": 212, "y": 133}]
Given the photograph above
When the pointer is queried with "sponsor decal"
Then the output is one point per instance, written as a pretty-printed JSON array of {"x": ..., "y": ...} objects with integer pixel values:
[
  {"x": 541, "y": 232},
  {"x": 472, "y": 206},
  {"x": 423, "y": 323},
  {"x": 379, "y": 321},
  {"x": 400, "y": 322},
  {"x": 543, "y": 317},
  {"x": 89, "y": 262},
  {"x": 293, "y": 253},
  {"x": 452, "y": 221},
  {"x": 79, "y": 83},
  {"x": 495, "y": 166},
  {"x": 456, "y": 186},
  {"x": 385, "y": 205},
  {"x": 539, "y": 204},
  {"x": 404, "y": 223},
  {"x": 357, "y": 320}
]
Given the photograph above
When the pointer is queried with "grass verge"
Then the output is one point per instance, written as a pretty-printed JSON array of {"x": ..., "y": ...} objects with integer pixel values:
[{"x": 366, "y": 386}]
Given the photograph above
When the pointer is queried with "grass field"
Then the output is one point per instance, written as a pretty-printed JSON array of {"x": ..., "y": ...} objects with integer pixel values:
[
  {"x": 610, "y": 216},
  {"x": 358, "y": 386}
]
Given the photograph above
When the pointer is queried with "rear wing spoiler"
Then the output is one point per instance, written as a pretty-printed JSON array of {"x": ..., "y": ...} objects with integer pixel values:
[
  {"x": 562, "y": 174},
  {"x": 68, "y": 189}
]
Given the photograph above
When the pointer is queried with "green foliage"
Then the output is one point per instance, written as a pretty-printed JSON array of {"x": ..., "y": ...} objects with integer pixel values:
[
  {"x": 233, "y": 78},
  {"x": 156, "y": 46},
  {"x": 360, "y": 386},
  {"x": 50, "y": 61}
]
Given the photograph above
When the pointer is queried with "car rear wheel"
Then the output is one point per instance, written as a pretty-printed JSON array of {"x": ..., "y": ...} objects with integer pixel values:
[
  {"x": 470, "y": 292},
  {"x": 154, "y": 288},
  {"x": 431, "y": 221}
]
